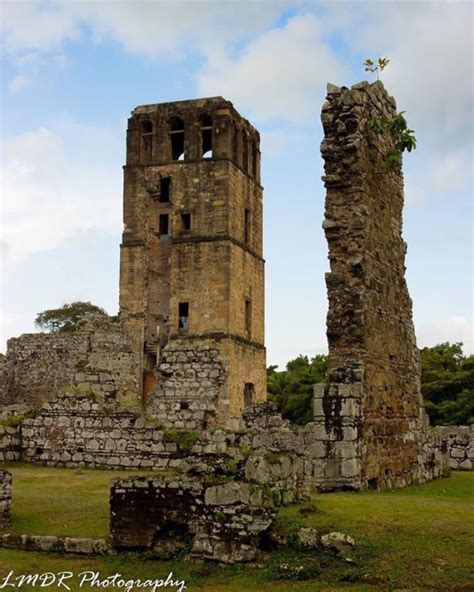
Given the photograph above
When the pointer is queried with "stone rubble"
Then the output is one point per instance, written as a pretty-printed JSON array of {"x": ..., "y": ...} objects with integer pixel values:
[{"x": 5, "y": 498}]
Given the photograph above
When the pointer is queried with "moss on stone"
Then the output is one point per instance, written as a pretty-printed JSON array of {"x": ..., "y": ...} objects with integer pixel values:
[{"x": 183, "y": 440}]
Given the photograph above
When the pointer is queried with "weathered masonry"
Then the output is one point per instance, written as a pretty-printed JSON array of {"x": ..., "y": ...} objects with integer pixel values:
[
  {"x": 177, "y": 382},
  {"x": 5, "y": 497},
  {"x": 191, "y": 271},
  {"x": 372, "y": 407}
]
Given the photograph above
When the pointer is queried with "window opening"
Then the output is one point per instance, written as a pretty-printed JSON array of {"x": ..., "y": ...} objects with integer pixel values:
[
  {"x": 186, "y": 221},
  {"x": 147, "y": 138},
  {"x": 183, "y": 315},
  {"x": 165, "y": 189},
  {"x": 164, "y": 224},
  {"x": 249, "y": 394},
  {"x": 206, "y": 136},
  {"x": 177, "y": 138}
]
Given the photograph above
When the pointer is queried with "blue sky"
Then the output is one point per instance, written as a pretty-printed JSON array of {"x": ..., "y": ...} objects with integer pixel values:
[{"x": 72, "y": 72}]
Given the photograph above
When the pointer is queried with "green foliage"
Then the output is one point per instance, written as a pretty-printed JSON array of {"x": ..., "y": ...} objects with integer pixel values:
[
  {"x": 403, "y": 137},
  {"x": 370, "y": 66},
  {"x": 232, "y": 466},
  {"x": 447, "y": 384},
  {"x": 292, "y": 389},
  {"x": 274, "y": 457},
  {"x": 270, "y": 497},
  {"x": 183, "y": 440},
  {"x": 14, "y": 420},
  {"x": 246, "y": 451},
  {"x": 66, "y": 318}
]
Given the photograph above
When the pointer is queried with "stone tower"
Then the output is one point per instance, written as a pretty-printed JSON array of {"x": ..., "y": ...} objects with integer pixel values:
[{"x": 191, "y": 266}]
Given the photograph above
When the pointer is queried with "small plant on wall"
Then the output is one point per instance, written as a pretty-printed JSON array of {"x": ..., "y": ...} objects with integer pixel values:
[
  {"x": 403, "y": 137},
  {"x": 396, "y": 127},
  {"x": 376, "y": 68}
]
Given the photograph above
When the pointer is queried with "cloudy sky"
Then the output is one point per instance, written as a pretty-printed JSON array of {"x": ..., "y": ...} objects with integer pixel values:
[{"x": 72, "y": 71}]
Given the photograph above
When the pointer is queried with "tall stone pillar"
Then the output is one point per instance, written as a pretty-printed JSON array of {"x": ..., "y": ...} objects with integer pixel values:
[{"x": 370, "y": 413}]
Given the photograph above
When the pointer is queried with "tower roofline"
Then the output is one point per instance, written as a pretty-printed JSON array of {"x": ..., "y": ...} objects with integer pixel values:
[{"x": 200, "y": 103}]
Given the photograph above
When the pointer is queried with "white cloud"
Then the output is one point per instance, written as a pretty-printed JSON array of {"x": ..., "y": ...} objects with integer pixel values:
[
  {"x": 453, "y": 329},
  {"x": 173, "y": 28},
  {"x": 53, "y": 190},
  {"x": 19, "y": 82},
  {"x": 282, "y": 74},
  {"x": 154, "y": 29},
  {"x": 34, "y": 25},
  {"x": 147, "y": 28},
  {"x": 430, "y": 74},
  {"x": 8, "y": 322},
  {"x": 444, "y": 177}
]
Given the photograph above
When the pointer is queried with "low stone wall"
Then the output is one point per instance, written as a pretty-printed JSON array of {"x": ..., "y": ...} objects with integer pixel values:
[
  {"x": 223, "y": 522},
  {"x": 54, "y": 544},
  {"x": 5, "y": 498},
  {"x": 75, "y": 430},
  {"x": 79, "y": 429},
  {"x": 10, "y": 443},
  {"x": 458, "y": 444}
]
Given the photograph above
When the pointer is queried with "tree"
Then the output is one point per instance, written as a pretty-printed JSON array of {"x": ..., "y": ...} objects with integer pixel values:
[
  {"x": 66, "y": 318},
  {"x": 447, "y": 384},
  {"x": 292, "y": 389}
]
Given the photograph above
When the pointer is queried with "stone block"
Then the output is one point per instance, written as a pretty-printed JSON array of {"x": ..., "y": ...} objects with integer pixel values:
[{"x": 227, "y": 494}]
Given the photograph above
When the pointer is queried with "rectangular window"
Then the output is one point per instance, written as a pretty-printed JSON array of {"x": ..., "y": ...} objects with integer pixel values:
[
  {"x": 185, "y": 221},
  {"x": 164, "y": 224},
  {"x": 248, "y": 317},
  {"x": 183, "y": 315},
  {"x": 165, "y": 187},
  {"x": 246, "y": 226}
]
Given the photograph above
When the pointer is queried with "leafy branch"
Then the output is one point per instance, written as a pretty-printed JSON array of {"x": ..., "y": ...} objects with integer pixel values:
[
  {"x": 370, "y": 66},
  {"x": 403, "y": 136}
]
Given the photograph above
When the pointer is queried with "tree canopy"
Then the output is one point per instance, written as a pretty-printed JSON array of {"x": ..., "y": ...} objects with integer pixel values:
[
  {"x": 292, "y": 389},
  {"x": 67, "y": 317},
  {"x": 447, "y": 385}
]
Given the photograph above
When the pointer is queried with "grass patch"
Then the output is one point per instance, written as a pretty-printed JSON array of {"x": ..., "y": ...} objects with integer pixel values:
[
  {"x": 419, "y": 539},
  {"x": 56, "y": 501}
]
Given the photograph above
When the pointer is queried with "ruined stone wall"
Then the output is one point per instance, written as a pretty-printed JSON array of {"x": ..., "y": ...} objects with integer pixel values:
[
  {"x": 246, "y": 380},
  {"x": 10, "y": 443},
  {"x": 75, "y": 430},
  {"x": 38, "y": 365},
  {"x": 190, "y": 377},
  {"x": 220, "y": 521},
  {"x": 98, "y": 357},
  {"x": 5, "y": 497},
  {"x": 373, "y": 365},
  {"x": 201, "y": 383},
  {"x": 458, "y": 444}
]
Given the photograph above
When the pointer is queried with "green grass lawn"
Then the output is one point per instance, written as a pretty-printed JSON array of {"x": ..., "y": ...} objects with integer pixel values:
[{"x": 420, "y": 538}]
